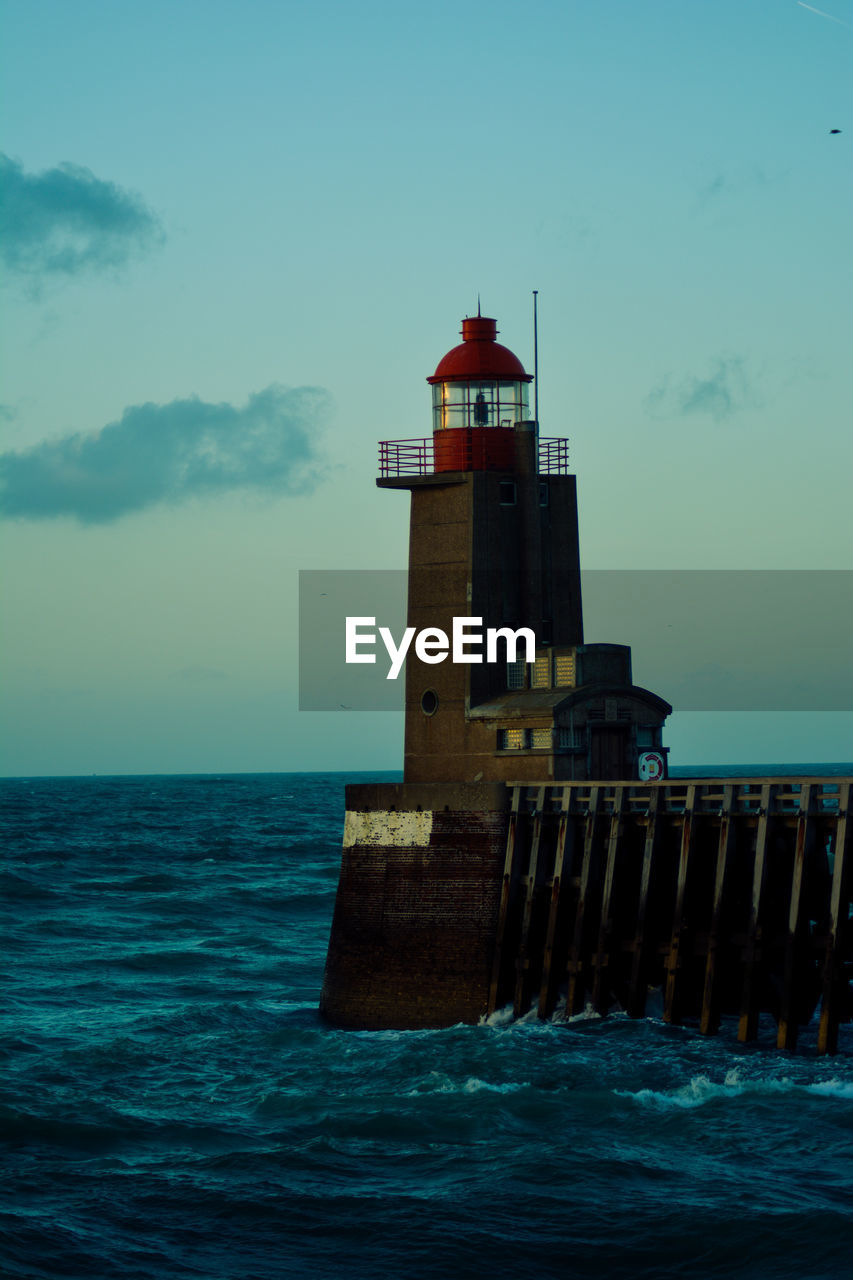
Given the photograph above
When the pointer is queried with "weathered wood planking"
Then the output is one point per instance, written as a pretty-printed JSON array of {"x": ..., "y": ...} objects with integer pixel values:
[{"x": 716, "y": 890}]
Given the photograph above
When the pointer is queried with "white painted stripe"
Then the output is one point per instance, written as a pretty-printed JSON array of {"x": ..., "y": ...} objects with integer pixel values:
[{"x": 381, "y": 827}]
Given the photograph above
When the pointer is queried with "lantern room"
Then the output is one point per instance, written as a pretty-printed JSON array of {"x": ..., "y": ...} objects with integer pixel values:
[{"x": 478, "y": 385}]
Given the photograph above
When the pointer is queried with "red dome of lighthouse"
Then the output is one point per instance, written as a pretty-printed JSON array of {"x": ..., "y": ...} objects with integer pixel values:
[{"x": 478, "y": 356}]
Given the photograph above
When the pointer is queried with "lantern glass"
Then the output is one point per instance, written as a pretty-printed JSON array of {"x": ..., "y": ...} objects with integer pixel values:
[{"x": 484, "y": 403}]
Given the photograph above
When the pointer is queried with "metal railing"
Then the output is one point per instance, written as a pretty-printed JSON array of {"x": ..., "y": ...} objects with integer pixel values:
[
  {"x": 553, "y": 456},
  {"x": 406, "y": 458},
  {"x": 417, "y": 457}
]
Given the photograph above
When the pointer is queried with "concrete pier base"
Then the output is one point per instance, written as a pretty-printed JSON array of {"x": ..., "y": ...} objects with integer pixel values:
[{"x": 416, "y": 914}]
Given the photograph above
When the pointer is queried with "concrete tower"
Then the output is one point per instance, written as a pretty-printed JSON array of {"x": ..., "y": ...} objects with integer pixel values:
[{"x": 494, "y": 537}]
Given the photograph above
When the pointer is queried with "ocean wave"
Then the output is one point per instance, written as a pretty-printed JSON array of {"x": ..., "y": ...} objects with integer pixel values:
[
  {"x": 832, "y": 1089},
  {"x": 437, "y": 1082},
  {"x": 18, "y": 887},
  {"x": 161, "y": 882},
  {"x": 587, "y": 1014},
  {"x": 500, "y": 1018},
  {"x": 166, "y": 960},
  {"x": 701, "y": 1089}
]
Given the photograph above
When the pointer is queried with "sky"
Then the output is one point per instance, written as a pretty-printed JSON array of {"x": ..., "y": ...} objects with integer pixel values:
[{"x": 235, "y": 240}]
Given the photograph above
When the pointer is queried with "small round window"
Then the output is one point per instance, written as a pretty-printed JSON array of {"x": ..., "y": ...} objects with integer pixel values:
[{"x": 429, "y": 702}]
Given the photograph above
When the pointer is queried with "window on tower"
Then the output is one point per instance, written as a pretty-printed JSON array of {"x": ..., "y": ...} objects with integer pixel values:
[
  {"x": 564, "y": 669},
  {"x": 540, "y": 672},
  {"x": 429, "y": 702},
  {"x": 515, "y": 674}
]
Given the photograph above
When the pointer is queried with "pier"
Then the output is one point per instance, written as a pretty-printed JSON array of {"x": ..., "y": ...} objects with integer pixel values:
[{"x": 728, "y": 896}]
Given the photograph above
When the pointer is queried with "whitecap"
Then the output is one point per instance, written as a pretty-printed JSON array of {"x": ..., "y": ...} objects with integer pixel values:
[
  {"x": 438, "y": 1082},
  {"x": 702, "y": 1089},
  {"x": 475, "y": 1085},
  {"x": 832, "y": 1088},
  {"x": 500, "y": 1018},
  {"x": 588, "y": 1014}
]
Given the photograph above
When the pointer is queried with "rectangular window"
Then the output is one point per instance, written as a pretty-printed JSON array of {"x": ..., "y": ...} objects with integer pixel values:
[
  {"x": 611, "y": 710},
  {"x": 453, "y": 416},
  {"x": 454, "y": 392},
  {"x": 570, "y": 737},
  {"x": 512, "y": 739},
  {"x": 543, "y": 493},
  {"x": 515, "y": 674},
  {"x": 541, "y": 739},
  {"x": 540, "y": 674},
  {"x": 507, "y": 493},
  {"x": 564, "y": 669}
]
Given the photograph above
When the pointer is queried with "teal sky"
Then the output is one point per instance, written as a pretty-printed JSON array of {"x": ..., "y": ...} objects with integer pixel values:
[{"x": 210, "y": 206}]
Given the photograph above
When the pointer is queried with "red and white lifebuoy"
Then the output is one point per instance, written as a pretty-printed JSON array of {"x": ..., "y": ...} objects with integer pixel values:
[{"x": 652, "y": 766}]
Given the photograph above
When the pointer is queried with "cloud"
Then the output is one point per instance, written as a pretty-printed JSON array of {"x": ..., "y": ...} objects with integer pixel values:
[
  {"x": 714, "y": 188},
  {"x": 717, "y": 195},
  {"x": 65, "y": 221},
  {"x": 170, "y": 453},
  {"x": 722, "y": 393}
]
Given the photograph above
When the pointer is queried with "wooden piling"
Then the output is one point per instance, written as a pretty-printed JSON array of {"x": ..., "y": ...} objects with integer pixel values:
[
  {"x": 600, "y": 961},
  {"x": 529, "y": 888},
  {"x": 637, "y": 981},
  {"x": 710, "y": 1017},
  {"x": 575, "y": 966},
  {"x": 564, "y": 830},
  {"x": 748, "y": 1024},
  {"x": 503, "y": 910},
  {"x": 827, "y": 1040},
  {"x": 788, "y": 1014},
  {"x": 675, "y": 959}
]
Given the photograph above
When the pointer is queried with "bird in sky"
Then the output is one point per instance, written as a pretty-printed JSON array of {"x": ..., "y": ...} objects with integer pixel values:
[{"x": 835, "y": 131}]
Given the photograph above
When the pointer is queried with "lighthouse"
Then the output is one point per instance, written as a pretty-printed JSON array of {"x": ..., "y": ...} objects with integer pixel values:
[
  {"x": 423, "y": 931},
  {"x": 494, "y": 539}
]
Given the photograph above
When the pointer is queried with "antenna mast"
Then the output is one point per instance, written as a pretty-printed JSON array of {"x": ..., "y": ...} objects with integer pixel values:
[{"x": 536, "y": 363}]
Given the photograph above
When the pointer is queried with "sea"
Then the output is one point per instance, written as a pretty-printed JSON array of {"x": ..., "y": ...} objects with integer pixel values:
[{"x": 172, "y": 1105}]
